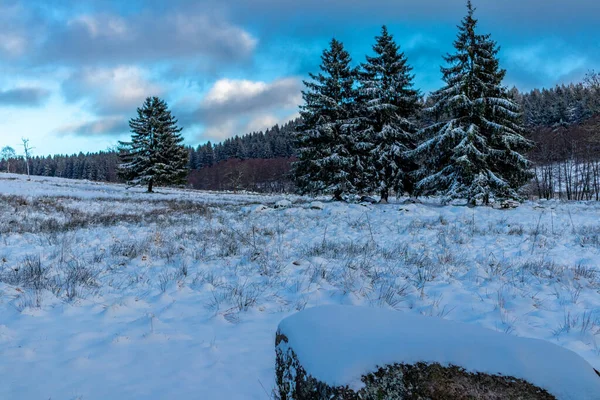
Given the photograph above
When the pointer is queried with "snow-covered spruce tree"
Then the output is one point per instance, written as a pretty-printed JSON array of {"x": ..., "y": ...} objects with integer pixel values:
[
  {"x": 155, "y": 155},
  {"x": 327, "y": 163},
  {"x": 390, "y": 105},
  {"x": 474, "y": 150},
  {"x": 502, "y": 124}
]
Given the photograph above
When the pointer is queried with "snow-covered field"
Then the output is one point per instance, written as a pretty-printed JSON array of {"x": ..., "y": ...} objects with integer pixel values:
[{"x": 114, "y": 293}]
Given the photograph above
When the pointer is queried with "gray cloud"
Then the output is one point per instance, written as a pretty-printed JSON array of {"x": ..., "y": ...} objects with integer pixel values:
[
  {"x": 108, "y": 91},
  {"x": 238, "y": 106},
  {"x": 24, "y": 97},
  {"x": 107, "y": 126},
  {"x": 508, "y": 12},
  {"x": 230, "y": 98},
  {"x": 111, "y": 38},
  {"x": 111, "y": 53}
]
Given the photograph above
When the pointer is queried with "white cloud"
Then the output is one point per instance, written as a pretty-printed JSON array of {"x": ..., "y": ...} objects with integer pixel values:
[
  {"x": 110, "y": 90},
  {"x": 261, "y": 122},
  {"x": 236, "y": 107},
  {"x": 229, "y": 97},
  {"x": 228, "y": 90},
  {"x": 234, "y": 127}
]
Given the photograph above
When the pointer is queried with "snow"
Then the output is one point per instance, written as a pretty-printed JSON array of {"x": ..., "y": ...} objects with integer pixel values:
[
  {"x": 283, "y": 204},
  {"x": 186, "y": 288},
  {"x": 316, "y": 205},
  {"x": 337, "y": 345}
]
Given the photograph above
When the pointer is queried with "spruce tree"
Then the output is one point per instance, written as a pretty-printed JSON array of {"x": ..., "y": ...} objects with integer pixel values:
[
  {"x": 324, "y": 138},
  {"x": 502, "y": 124},
  {"x": 155, "y": 155},
  {"x": 473, "y": 151},
  {"x": 390, "y": 105}
]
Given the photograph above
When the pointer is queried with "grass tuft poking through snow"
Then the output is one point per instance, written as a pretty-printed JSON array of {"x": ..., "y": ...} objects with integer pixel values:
[{"x": 83, "y": 266}]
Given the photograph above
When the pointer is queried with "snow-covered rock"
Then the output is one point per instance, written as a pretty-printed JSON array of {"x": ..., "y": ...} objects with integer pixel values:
[
  {"x": 411, "y": 201},
  {"x": 259, "y": 208},
  {"x": 368, "y": 199},
  {"x": 316, "y": 205},
  {"x": 509, "y": 204},
  {"x": 283, "y": 204},
  {"x": 355, "y": 352}
]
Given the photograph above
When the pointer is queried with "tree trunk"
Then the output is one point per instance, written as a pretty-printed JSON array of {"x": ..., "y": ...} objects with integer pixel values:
[
  {"x": 337, "y": 195},
  {"x": 384, "y": 195},
  {"x": 150, "y": 185}
]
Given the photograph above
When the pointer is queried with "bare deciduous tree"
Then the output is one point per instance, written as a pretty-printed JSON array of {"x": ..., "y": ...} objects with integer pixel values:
[{"x": 27, "y": 150}]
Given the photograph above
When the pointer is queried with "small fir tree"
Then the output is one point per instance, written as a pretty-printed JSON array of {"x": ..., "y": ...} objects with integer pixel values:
[{"x": 155, "y": 155}]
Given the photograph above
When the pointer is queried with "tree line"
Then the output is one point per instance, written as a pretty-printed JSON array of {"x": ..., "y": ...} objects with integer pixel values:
[
  {"x": 561, "y": 106},
  {"x": 273, "y": 143},
  {"x": 560, "y": 121}
]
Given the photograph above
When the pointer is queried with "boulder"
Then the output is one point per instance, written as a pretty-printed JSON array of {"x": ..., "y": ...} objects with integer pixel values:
[{"x": 338, "y": 352}]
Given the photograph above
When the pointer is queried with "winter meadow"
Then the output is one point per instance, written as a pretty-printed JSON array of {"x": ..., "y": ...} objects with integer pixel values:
[{"x": 453, "y": 227}]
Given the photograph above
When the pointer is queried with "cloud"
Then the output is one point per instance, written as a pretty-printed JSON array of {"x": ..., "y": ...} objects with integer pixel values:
[
  {"x": 17, "y": 30},
  {"x": 12, "y": 44},
  {"x": 23, "y": 97},
  {"x": 260, "y": 122},
  {"x": 111, "y": 90},
  {"x": 240, "y": 106},
  {"x": 529, "y": 65},
  {"x": 229, "y": 98},
  {"x": 145, "y": 37},
  {"x": 107, "y": 56},
  {"x": 534, "y": 12},
  {"x": 108, "y": 126}
]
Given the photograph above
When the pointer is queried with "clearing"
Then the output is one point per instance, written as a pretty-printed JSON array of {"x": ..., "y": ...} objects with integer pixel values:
[{"x": 114, "y": 293}]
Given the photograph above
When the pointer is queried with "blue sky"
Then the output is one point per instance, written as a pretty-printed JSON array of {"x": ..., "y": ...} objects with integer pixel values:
[{"x": 72, "y": 72}]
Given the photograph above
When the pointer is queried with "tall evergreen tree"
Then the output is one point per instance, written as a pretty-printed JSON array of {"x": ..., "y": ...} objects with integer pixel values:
[
  {"x": 155, "y": 155},
  {"x": 474, "y": 151},
  {"x": 324, "y": 138},
  {"x": 390, "y": 105},
  {"x": 502, "y": 124}
]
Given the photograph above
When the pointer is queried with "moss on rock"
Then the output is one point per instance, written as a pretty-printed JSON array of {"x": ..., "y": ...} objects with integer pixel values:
[{"x": 420, "y": 381}]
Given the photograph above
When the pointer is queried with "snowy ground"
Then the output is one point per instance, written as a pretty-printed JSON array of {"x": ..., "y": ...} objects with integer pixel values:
[{"x": 114, "y": 293}]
